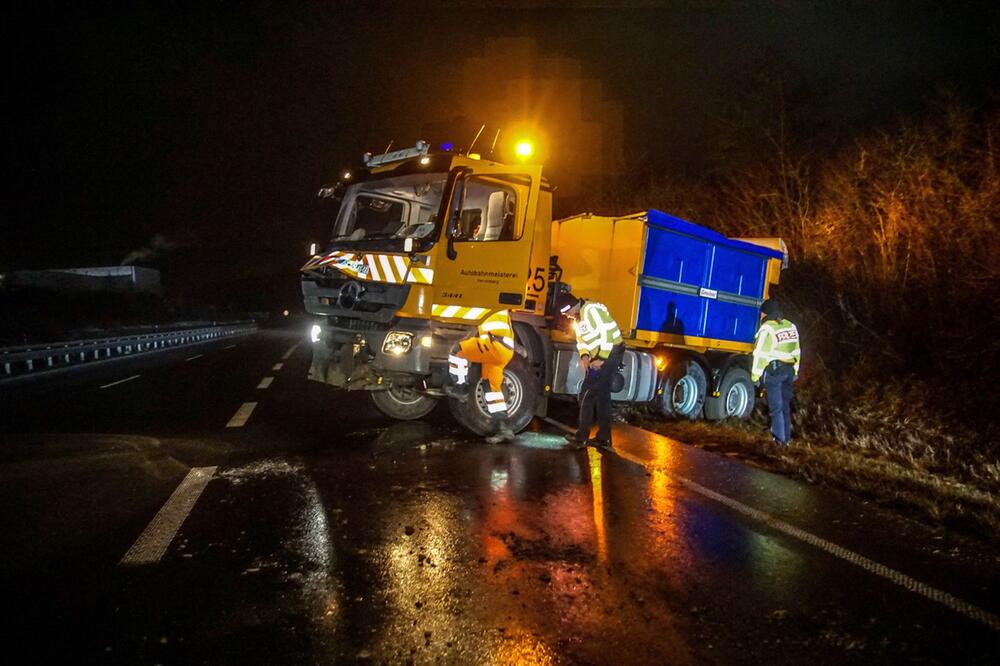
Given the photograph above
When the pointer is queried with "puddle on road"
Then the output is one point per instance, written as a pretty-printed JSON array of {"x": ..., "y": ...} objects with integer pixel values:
[{"x": 257, "y": 469}]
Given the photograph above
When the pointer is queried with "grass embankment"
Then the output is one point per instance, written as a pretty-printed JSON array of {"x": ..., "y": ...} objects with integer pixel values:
[
  {"x": 886, "y": 447},
  {"x": 894, "y": 284}
]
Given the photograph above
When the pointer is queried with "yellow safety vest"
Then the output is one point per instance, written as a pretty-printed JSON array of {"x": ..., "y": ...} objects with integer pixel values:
[
  {"x": 498, "y": 327},
  {"x": 597, "y": 333},
  {"x": 777, "y": 340}
]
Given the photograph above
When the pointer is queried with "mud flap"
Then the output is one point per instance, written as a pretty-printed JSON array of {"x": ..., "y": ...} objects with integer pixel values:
[{"x": 543, "y": 406}]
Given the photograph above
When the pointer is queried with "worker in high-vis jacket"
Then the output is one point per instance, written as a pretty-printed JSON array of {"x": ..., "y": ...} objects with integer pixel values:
[
  {"x": 492, "y": 348},
  {"x": 776, "y": 357},
  {"x": 599, "y": 344}
]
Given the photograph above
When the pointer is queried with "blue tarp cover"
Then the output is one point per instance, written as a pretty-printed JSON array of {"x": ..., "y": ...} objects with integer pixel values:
[
  {"x": 699, "y": 283},
  {"x": 667, "y": 221}
]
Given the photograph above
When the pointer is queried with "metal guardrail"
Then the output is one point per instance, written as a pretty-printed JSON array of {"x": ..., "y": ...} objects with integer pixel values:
[{"x": 32, "y": 359}]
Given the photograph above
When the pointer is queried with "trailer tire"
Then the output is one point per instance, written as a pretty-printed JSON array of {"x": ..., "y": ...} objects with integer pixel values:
[
  {"x": 683, "y": 391},
  {"x": 521, "y": 391},
  {"x": 403, "y": 403},
  {"x": 737, "y": 397}
]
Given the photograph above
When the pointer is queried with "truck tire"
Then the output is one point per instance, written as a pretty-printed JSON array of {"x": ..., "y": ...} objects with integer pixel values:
[
  {"x": 403, "y": 403},
  {"x": 737, "y": 397},
  {"x": 683, "y": 391},
  {"x": 521, "y": 391}
]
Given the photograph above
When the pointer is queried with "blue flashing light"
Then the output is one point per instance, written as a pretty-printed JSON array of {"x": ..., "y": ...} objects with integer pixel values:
[{"x": 447, "y": 145}]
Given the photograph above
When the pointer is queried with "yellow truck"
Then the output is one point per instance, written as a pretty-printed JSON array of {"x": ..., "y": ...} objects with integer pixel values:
[{"x": 428, "y": 243}]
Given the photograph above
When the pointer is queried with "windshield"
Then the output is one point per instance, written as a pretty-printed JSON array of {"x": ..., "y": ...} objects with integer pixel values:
[{"x": 400, "y": 207}]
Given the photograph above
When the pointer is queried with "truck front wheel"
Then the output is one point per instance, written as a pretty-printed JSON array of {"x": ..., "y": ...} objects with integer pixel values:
[
  {"x": 403, "y": 403},
  {"x": 736, "y": 397},
  {"x": 521, "y": 392},
  {"x": 683, "y": 391}
]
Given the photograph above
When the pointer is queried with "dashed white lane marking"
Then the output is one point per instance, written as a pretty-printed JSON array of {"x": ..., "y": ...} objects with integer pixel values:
[
  {"x": 229, "y": 347},
  {"x": 264, "y": 383},
  {"x": 291, "y": 350},
  {"x": 121, "y": 381},
  {"x": 241, "y": 415},
  {"x": 193, "y": 357},
  {"x": 154, "y": 540},
  {"x": 278, "y": 366},
  {"x": 913, "y": 585}
]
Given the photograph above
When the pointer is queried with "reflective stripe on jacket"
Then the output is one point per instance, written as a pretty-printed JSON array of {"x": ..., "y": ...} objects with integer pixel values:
[
  {"x": 777, "y": 340},
  {"x": 498, "y": 326},
  {"x": 597, "y": 333}
]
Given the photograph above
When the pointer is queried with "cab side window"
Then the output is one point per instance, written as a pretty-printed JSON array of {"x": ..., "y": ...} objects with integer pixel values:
[{"x": 489, "y": 212}]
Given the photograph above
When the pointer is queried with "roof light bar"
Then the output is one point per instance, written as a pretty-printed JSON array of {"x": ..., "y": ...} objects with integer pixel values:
[{"x": 397, "y": 155}]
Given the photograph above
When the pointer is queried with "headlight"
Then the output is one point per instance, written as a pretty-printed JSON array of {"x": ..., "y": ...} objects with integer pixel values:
[
  {"x": 315, "y": 332},
  {"x": 397, "y": 342}
]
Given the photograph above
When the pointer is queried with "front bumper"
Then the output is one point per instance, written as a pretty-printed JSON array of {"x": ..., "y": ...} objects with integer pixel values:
[{"x": 356, "y": 361}]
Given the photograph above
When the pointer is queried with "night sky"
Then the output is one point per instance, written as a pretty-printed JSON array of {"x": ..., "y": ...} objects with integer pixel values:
[{"x": 213, "y": 127}]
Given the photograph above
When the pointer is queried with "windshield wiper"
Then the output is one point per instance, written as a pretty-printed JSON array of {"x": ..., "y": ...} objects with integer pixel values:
[{"x": 378, "y": 235}]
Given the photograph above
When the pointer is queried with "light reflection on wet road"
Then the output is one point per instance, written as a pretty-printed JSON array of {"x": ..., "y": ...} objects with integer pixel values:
[{"x": 329, "y": 535}]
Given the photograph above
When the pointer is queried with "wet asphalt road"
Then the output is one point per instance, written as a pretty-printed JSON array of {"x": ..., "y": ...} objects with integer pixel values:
[{"x": 327, "y": 533}]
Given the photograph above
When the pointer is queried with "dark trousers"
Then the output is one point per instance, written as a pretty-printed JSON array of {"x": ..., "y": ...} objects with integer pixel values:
[
  {"x": 596, "y": 393},
  {"x": 779, "y": 382}
]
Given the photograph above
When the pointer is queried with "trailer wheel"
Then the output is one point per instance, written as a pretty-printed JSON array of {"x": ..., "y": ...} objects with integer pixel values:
[
  {"x": 403, "y": 403},
  {"x": 521, "y": 391},
  {"x": 737, "y": 397},
  {"x": 683, "y": 391}
]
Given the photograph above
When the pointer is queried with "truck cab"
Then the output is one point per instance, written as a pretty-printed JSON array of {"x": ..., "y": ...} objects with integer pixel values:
[{"x": 424, "y": 246}]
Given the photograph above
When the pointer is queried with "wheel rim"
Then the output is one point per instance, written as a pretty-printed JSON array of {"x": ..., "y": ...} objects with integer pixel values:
[
  {"x": 513, "y": 394},
  {"x": 685, "y": 395},
  {"x": 737, "y": 399},
  {"x": 405, "y": 395}
]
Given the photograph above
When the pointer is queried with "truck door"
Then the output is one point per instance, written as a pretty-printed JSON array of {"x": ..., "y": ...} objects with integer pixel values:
[{"x": 487, "y": 241}]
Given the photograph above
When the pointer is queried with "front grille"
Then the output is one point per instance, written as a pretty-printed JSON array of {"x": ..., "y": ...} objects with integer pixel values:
[
  {"x": 379, "y": 303},
  {"x": 351, "y": 324}
]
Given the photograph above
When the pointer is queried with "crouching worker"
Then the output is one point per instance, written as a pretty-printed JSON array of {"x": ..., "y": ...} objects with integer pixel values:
[
  {"x": 776, "y": 357},
  {"x": 492, "y": 348}
]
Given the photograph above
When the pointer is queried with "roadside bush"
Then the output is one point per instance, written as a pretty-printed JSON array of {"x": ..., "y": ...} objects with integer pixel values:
[{"x": 894, "y": 281}]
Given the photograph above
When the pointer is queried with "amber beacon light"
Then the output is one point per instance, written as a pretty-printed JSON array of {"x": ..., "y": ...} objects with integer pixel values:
[{"x": 524, "y": 149}]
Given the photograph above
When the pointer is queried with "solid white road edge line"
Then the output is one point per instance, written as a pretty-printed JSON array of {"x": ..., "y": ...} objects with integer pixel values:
[
  {"x": 242, "y": 415},
  {"x": 229, "y": 346},
  {"x": 193, "y": 357},
  {"x": 954, "y": 603},
  {"x": 156, "y": 538},
  {"x": 264, "y": 383},
  {"x": 278, "y": 366},
  {"x": 121, "y": 381},
  {"x": 291, "y": 350}
]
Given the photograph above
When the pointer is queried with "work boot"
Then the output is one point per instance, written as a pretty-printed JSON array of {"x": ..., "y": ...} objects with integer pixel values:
[{"x": 503, "y": 433}]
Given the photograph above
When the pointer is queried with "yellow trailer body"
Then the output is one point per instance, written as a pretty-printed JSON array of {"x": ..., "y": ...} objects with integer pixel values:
[{"x": 668, "y": 281}]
